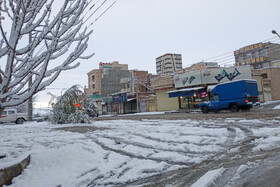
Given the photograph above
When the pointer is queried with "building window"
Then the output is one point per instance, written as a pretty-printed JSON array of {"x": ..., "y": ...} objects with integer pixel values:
[
  {"x": 264, "y": 76},
  {"x": 265, "y": 65},
  {"x": 264, "y": 52},
  {"x": 256, "y": 54},
  {"x": 92, "y": 78},
  {"x": 93, "y": 86},
  {"x": 258, "y": 66},
  {"x": 249, "y": 56},
  {"x": 240, "y": 57}
]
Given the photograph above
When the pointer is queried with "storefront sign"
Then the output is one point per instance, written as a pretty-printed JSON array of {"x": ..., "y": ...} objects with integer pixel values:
[
  {"x": 119, "y": 98},
  {"x": 212, "y": 76},
  {"x": 105, "y": 65},
  {"x": 77, "y": 105}
]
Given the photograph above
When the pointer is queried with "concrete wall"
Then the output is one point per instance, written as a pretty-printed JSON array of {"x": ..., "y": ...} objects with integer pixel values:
[
  {"x": 164, "y": 103},
  {"x": 275, "y": 85},
  {"x": 268, "y": 83},
  {"x": 110, "y": 82},
  {"x": 274, "y": 51}
]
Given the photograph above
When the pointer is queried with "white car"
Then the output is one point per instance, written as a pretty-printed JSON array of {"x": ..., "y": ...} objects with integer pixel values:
[{"x": 11, "y": 116}]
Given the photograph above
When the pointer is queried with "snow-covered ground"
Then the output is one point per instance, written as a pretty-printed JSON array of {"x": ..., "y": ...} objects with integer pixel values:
[{"x": 112, "y": 153}]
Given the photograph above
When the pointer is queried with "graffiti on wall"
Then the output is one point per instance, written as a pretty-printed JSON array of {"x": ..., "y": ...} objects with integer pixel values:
[
  {"x": 212, "y": 76},
  {"x": 225, "y": 74},
  {"x": 188, "y": 80}
]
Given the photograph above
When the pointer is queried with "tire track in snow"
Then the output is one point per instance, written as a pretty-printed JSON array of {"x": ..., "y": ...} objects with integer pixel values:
[
  {"x": 119, "y": 140},
  {"x": 131, "y": 155}
]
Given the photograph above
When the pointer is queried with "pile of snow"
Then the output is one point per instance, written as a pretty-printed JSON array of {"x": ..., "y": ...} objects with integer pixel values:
[
  {"x": 209, "y": 178},
  {"x": 270, "y": 102},
  {"x": 276, "y": 107}
]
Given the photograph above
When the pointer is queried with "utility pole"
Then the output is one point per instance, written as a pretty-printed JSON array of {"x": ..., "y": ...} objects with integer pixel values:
[{"x": 30, "y": 103}]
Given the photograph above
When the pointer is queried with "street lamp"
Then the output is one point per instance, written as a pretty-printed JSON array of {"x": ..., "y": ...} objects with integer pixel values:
[{"x": 274, "y": 32}]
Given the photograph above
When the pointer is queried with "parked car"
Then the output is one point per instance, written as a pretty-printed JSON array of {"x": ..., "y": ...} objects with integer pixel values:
[
  {"x": 11, "y": 116},
  {"x": 241, "y": 94},
  {"x": 37, "y": 117}
]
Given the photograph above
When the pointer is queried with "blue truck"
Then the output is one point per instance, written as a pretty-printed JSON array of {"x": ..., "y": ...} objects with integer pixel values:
[{"x": 233, "y": 96}]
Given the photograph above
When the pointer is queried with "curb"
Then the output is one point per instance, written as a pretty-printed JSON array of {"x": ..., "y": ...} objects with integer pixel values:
[{"x": 7, "y": 174}]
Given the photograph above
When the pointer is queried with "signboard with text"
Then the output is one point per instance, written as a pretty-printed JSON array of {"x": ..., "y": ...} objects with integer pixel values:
[
  {"x": 119, "y": 98},
  {"x": 212, "y": 76}
]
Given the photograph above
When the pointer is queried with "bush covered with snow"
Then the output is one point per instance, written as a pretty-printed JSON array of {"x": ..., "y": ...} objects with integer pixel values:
[{"x": 74, "y": 106}]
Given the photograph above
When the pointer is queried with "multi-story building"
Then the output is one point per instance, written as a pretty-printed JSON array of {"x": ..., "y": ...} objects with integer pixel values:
[
  {"x": 137, "y": 88},
  {"x": 94, "y": 83},
  {"x": 95, "y": 76},
  {"x": 168, "y": 64},
  {"x": 259, "y": 55},
  {"x": 110, "y": 82},
  {"x": 138, "y": 81},
  {"x": 264, "y": 59}
]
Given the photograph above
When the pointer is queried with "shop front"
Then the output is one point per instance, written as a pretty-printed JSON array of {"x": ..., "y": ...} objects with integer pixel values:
[
  {"x": 118, "y": 102},
  {"x": 124, "y": 103},
  {"x": 190, "y": 98},
  {"x": 194, "y": 87},
  {"x": 107, "y": 105}
]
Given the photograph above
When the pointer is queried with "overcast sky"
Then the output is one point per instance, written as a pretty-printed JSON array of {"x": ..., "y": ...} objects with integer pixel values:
[{"x": 136, "y": 32}]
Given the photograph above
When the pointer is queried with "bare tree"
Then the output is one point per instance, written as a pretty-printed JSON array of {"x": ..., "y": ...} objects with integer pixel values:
[{"x": 40, "y": 41}]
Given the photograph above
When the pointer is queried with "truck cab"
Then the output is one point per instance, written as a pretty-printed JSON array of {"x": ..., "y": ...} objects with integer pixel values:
[
  {"x": 11, "y": 116},
  {"x": 233, "y": 96}
]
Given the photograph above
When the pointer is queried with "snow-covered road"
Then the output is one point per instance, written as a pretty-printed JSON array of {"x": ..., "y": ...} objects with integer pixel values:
[{"x": 124, "y": 152}]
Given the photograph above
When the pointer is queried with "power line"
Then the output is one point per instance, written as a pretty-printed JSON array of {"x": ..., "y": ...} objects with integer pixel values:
[
  {"x": 227, "y": 57},
  {"x": 272, "y": 50},
  {"x": 95, "y": 10},
  {"x": 102, "y": 14}
]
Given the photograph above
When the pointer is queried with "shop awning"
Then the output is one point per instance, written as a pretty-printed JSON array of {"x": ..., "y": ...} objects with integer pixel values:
[
  {"x": 183, "y": 92},
  {"x": 210, "y": 87},
  {"x": 131, "y": 99}
]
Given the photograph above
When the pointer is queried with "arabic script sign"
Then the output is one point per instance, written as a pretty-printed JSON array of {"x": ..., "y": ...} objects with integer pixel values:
[{"x": 212, "y": 76}]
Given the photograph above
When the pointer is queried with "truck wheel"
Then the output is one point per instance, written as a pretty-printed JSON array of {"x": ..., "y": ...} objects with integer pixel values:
[
  {"x": 20, "y": 121},
  {"x": 204, "y": 110},
  {"x": 233, "y": 108}
]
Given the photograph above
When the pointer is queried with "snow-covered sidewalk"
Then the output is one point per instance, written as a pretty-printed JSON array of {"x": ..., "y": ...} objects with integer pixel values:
[{"x": 117, "y": 152}]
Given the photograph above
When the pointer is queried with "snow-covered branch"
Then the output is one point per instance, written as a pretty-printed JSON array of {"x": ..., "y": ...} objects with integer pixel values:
[{"x": 33, "y": 34}]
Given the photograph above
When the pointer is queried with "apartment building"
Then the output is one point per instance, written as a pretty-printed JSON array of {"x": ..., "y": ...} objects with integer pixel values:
[
  {"x": 168, "y": 64},
  {"x": 258, "y": 56},
  {"x": 264, "y": 59},
  {"x": 138, "y": 81},
  {"x": 95, "y": 76}
]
